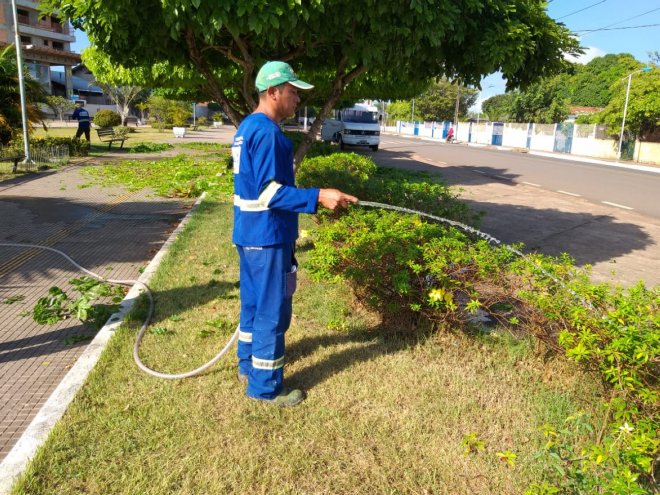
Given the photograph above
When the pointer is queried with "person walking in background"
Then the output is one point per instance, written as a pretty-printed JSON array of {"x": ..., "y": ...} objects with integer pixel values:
[
  {"x": 84, "y": 123},
  {"x": 450, "y": 135},
  {"x": 266, "y": 207}
]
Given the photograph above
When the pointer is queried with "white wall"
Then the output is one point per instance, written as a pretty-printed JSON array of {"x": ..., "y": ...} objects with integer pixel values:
[
  {"x": 543, "y": 137},
  {"x": 515, "y": 135}
]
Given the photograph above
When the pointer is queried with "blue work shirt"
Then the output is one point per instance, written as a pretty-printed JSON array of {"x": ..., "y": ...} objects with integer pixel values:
[
  {"x": 266, "y": 199},
  {"x": 82, "y": 116}
]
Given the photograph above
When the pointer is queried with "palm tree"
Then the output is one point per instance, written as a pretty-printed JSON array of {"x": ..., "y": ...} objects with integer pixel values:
[{"x": 10, "y": 97}]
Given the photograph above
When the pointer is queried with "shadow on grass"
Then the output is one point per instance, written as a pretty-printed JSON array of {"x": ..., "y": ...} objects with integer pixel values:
[{"x": 368, "y": 343}]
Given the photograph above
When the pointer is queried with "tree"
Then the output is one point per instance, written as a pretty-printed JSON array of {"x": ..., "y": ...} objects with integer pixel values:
[
  {"x": 545, "y": 102},
  {"x": 498, "y": 108},
  {"x": 60, "y": 105},
  {"x": 591, "y": 84},
  {"x": 643, "y": 115},
  {"x": 438, "y": 102},
  {"x": 122, "y": 96},
  {"x": 10, "y": 97},
  {"x": 399, "y": 110},
  {"x": 389, "y": 45}
]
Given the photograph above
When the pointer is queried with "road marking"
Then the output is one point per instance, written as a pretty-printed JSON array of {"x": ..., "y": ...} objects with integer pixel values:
[
  {"x": 479, "y": 172},
  {"x": 532, "y": 184},
  {"x": 618, "y": 205},
  {"x": 569, "y": 193},
  {"x": 503, "y": 177}
]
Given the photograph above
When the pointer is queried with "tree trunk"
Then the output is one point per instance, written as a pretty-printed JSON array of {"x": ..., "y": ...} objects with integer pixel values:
[{"x": 338, "y": 85}]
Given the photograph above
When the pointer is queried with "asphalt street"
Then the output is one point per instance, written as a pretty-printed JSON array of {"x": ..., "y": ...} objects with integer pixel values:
[
  {"x": 621, "y": 187},
  {"x": 602, "y": 215}
]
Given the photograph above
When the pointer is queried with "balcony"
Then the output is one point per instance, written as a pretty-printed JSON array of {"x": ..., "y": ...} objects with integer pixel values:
[{"x": 46, "y": 32}]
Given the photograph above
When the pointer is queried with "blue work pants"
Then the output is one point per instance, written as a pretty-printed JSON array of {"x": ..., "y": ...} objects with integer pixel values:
[{"x": 268, "y": 281}]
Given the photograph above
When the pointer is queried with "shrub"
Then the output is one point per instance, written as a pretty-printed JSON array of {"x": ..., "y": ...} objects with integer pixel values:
[
  {"x": 319, "y": 148},
  {"x": 202, "y": 121},
  {"x": 121, "y": 131},
  {"x": 107, "y": 118},
  {"x": 147, "y": 147},
  {"x": 76, "y": 147},
  {"x": 358, "y": 175},
  {"x": 406, "y": 267}
]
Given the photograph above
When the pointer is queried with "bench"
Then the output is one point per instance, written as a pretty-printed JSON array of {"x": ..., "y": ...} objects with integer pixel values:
[
  {"x": 107, "y": 135},
  {"x": 13, "y": 157}
]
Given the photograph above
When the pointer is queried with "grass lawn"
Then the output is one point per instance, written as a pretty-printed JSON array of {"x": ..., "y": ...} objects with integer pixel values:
[
  {"x": 388, "y": 407},
  {"x": 143, "y": 134}
]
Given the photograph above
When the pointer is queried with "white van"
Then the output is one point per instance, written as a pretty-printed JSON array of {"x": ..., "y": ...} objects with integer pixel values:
[{"x": 355, "y": 126}]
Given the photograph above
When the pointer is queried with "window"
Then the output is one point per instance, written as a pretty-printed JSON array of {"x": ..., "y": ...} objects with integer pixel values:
[
  {"x": 23, "y": 16},
  {"x": 58, "y": 45},
  {"x": 45, "y": 42},
  {"x": 26, "y": 40}
]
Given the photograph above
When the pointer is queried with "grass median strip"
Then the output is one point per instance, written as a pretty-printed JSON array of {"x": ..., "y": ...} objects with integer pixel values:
[{"x": 388, "y": 409}]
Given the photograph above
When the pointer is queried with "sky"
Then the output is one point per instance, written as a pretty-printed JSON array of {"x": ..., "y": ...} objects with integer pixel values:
[{"x": 603, "y": 26}]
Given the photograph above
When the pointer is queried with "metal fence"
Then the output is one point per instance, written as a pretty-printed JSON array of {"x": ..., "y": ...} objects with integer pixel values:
[{"x": 42, "y": 157}]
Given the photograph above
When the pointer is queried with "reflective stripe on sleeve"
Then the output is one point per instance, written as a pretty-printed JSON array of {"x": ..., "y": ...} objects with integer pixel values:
[
  {"x": 267, "y": 364},
  {"x": 244, "y": 336},
  {"x": 260, "y": 204}
]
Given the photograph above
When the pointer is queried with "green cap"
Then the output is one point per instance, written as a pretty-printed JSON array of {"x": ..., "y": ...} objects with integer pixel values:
[{"x": 276, "y": 73}]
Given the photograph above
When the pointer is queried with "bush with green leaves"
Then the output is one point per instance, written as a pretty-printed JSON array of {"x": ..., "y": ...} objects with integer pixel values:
[
  {"x": 76, "y": 147},
  {"x": 409, "y": 268},
  {"x": 148, "y": 147},
  {"x": 107, "y": 118},
  {"x": 319, "y": 148},
  {"x": 359, "y": 175}
]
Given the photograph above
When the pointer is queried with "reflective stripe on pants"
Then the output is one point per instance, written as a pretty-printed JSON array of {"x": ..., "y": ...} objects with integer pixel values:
[{"x": 265, "y": 316}]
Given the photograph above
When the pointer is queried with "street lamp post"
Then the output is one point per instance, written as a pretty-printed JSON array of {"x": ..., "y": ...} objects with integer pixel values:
[
  {"x": 21, "y": 84},
  {"x": 625, "y": 106}
]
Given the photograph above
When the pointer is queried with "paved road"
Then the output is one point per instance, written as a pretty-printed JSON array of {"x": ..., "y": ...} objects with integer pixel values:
[
  {"x": 520, "y": 195},
  {"x": 625, "y": 188}
]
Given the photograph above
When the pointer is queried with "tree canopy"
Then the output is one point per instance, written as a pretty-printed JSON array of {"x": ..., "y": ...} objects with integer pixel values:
[
  {"x": 384, "y": 47},
  {"x": 438, "y": 102},
  {"x": 498, "y": 108},
  {"x": 591, "y": 84}
]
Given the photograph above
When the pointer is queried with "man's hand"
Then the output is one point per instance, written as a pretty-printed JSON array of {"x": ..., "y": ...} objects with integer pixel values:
[{"x": 334, "y": 198}]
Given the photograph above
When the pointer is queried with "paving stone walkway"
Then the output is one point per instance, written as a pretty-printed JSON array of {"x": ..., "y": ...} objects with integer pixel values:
[{"x": 110, "y": 231}]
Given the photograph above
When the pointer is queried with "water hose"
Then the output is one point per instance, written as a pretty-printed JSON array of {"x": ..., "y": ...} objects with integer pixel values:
[
  {"x": 147, "y": 320},
  {"x": 234, "y": 337}
]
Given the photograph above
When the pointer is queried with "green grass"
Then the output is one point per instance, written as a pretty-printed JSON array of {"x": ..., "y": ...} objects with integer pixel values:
[
  {"x": 137, "y": 141},
  {"x": 386, "y": 412}
]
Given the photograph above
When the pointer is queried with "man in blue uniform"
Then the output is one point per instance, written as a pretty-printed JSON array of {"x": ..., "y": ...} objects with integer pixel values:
[
  {"x": 82, "y": 116},
  {"x": 266, "y": 207}
]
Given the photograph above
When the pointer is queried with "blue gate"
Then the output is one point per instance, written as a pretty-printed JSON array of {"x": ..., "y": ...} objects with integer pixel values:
[
  {"x": 498, "y": 131},
  {"x": 564, "y": 138}
]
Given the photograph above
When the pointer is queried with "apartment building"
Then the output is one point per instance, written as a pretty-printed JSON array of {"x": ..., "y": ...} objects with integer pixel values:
[{"x": 46, "y": 43}]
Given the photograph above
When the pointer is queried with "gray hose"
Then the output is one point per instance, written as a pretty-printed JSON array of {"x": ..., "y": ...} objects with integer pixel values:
[
  {"x": 145, "y": 324},
  {"x": 489, "y": 238}
]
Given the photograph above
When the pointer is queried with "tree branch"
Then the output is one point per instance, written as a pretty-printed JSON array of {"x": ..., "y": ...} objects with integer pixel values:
[
  {"x": 338, "y": 85},
  {"x": 215, "y": 90}
]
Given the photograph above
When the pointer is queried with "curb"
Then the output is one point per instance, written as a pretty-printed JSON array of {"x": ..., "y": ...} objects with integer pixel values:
[{"x": 52, "y": 411}]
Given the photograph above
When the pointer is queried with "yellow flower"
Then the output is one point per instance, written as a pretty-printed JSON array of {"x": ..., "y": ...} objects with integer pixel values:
[
  {"x": 303, "y": 234},
  {"x": 437, "y": 295}
]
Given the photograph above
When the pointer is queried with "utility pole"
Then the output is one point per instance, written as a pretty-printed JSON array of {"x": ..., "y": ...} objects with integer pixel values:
[
  {"x": 625, "y": 107},
  {"x": 458, "y": 97},
  {"x": 21, "y": 84},
  {"x": 413, "y": 111}
]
